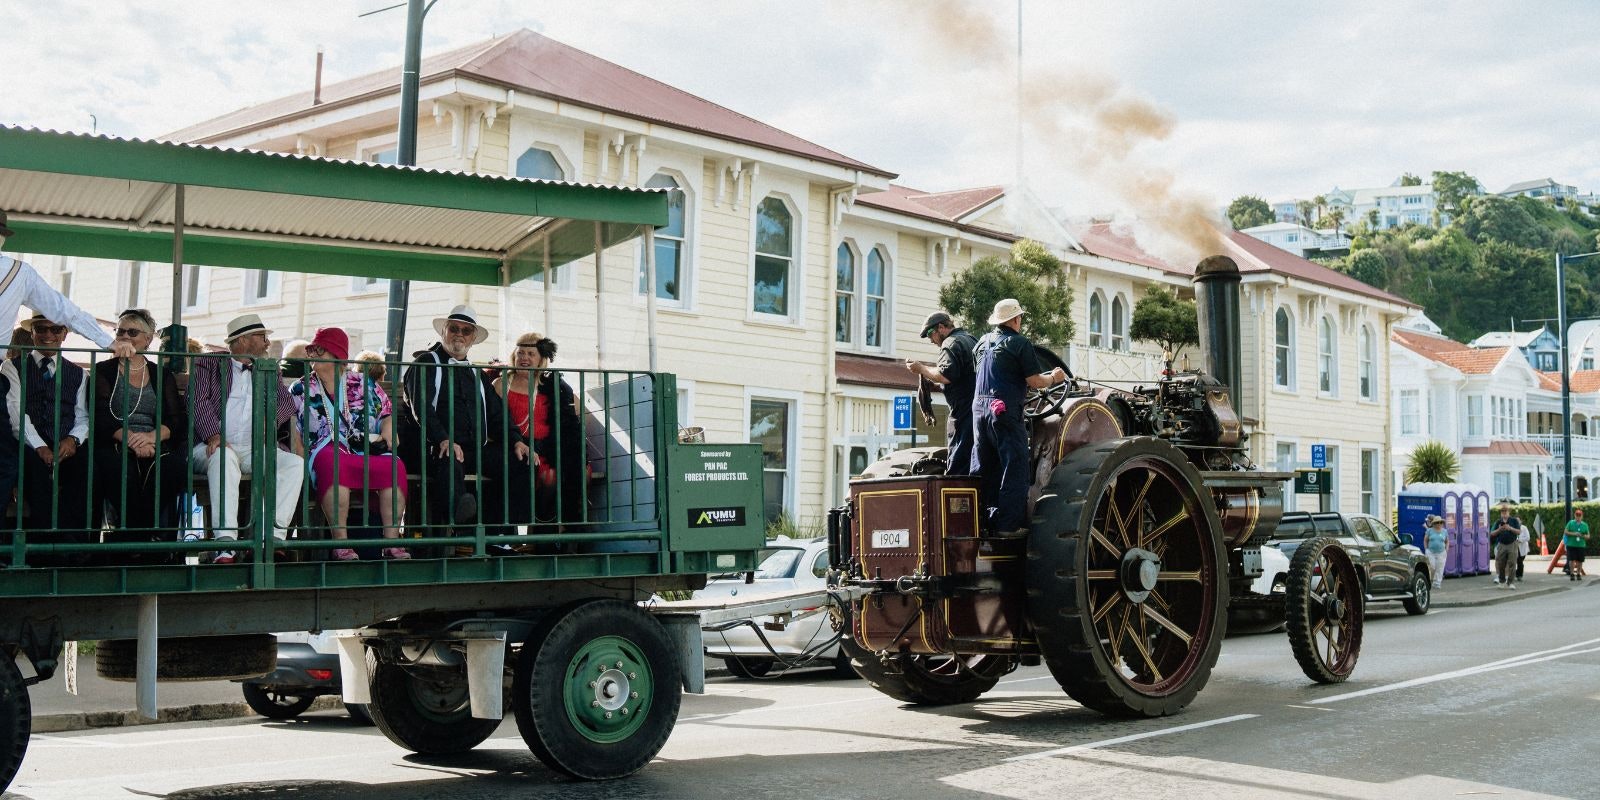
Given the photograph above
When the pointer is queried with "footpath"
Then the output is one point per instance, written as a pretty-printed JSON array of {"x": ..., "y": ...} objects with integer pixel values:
[{"x": 100, "y": 703}]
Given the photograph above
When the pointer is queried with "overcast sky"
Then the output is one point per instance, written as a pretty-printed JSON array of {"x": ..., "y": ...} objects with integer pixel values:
[{"x": 1267, "y": 98}]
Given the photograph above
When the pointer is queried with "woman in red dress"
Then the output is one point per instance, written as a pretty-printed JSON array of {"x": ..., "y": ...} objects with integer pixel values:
[{"x": 544, "y": 483}]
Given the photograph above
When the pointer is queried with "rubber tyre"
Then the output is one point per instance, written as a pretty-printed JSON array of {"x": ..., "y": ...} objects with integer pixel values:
[
  {"x": 358, "y": 713},
  {"x": 1061, "y": 592},
  {"x": 1306, "y": 612},
  {"x": 426, "y": 709},
  {"x": 1421, "y": 594},
  {"x": 195, "y": 658},
  {"x": 16, "y": 720},
  {"x": 273, "y": 704},
  {"x": 749, "y": 668},
  {"x": 927, "y": 680},
  {"x": 554, "y": 697}
]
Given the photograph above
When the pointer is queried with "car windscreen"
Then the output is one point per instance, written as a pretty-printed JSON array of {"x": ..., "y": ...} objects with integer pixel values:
[
  {"x": 1297, "y": 528},
  {"x": 780, "y": 562}
]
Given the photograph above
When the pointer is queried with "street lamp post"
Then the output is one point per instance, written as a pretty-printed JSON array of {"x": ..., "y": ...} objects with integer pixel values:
[{"x": 1566, "y": 377}]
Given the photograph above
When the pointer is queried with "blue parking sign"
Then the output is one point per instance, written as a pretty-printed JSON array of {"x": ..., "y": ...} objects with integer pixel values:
[
  {"x": 902, "y": 412},
  {"x": 1319, "y": 456}
]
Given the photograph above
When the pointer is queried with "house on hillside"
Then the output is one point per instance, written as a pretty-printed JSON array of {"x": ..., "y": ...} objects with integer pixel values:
[
  {"x": 1300, "y": 240},
  {"x": 1541, "y": 347},
  {"x": 1388, "y": 207},
  {"x": 1542, "y": 189}
]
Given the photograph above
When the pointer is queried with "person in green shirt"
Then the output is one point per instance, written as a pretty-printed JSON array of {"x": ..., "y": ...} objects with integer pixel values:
[{"x": 1576, "y": 540}]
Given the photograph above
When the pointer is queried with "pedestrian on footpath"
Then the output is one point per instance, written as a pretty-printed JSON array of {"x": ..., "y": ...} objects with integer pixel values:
[
  {"x": 1436, "y": 544},
  {"x": 1522, "y": 550},
  {"x": 1576, "y": 540},
  {"x": 1504, "y": 536}
]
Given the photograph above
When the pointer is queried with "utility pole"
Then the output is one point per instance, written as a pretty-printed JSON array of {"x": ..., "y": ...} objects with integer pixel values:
[
  {"x": 1566, "y": 379},
  {"x": 400, "y": 290}
]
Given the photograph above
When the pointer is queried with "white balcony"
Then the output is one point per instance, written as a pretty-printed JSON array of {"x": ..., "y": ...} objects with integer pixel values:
[{"x": 1583, "y": 447}]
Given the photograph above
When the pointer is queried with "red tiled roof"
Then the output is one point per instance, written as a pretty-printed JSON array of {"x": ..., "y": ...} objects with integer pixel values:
[
  {"x": 1426, "y": 344},
  {"x": 1471, "y": 361},
  {"x": 1507, "y": 448},
  {"x": 1582, "y": 381},
  {"x": 946, "y": 207},
  {"x": 1251, "y": 254},
  {"x": 532, "y": 63},
  {"x": 869, "y": 371}
]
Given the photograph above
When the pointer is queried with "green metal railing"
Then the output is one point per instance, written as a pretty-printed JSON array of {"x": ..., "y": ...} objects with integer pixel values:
[{"x": 603, "y": 493}]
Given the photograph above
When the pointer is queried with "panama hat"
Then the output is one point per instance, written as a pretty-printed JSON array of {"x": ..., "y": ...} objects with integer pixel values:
[
  {"x": 1005, "y": 311},
  {"x": 462, "y": 313},
  {"x": 244, "y": 325}
]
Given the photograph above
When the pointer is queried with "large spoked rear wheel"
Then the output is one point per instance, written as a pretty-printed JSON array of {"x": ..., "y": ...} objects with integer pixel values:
[
  {"x": 16, "y": 720},
  {"x": 928, "y": 680},
  {"x": 1124, "y": 575},
  {"x": 426, "y": 709},
  {"x": 1325, "y": 607},
  {"x": 597, "y": 690}
]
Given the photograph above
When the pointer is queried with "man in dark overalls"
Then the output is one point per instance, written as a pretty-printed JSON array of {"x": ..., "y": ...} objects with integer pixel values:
[
  {"x": 955, "y": 373},
  {"x": 1007, "y": 368}
]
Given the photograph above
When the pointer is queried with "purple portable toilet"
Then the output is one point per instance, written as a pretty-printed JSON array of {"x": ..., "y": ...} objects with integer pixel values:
[
  {"x": 1454, "y": 521},
  {"x": 1485, "y": 552},
  {"x": 1456, "y": 503}
]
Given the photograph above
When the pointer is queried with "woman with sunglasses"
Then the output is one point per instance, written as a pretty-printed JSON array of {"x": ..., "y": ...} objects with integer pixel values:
[
  {"x": 544, "y": 410},
  {"x": 336, "y": 466},
  {"x": 140, "y": 425}
]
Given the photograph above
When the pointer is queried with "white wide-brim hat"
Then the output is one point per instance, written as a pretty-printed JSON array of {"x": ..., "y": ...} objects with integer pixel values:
[
  {"x": 462, "y": 313},
  {"x": 1005, "y": 311},
  {"x": 244, "y": 325}
]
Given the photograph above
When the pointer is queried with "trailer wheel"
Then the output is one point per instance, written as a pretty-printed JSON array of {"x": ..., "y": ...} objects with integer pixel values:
[
  {"x": 16, "y": 720},
  {"x": 426, "y": 709},
  {"x": 597, "y": 690},
  {"x": 928, "y": 680},
  {"x": 1125, "y": 577},
  {"x": 272, "y": 703},
  {"x": 1325, "y": 608}
]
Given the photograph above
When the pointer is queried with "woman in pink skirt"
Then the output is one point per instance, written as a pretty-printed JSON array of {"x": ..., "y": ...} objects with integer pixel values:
[{"x": 336, "y": 467}]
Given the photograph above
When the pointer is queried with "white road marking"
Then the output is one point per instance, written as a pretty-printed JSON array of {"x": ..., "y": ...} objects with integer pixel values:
[
  {"x": 98, "y": 741},
  {"x": 1493, "y": 666},
  {"x": 1131, "y": 738}
]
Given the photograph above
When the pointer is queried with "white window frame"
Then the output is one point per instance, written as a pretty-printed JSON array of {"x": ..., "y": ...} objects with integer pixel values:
[
  {"x": 1474, "y": 405},
  {"x": 886, "y": 315},
  {"x": 1294, "y": 463},
  {"x": 66, "y": 282},
  {"x": 1327, "y": 357},
  {"x": 563, "y": 163},
  {"x": 131, "y": 286},
  {"x": 796, "y": 402},
  {"x": 1119, "y": 320},
  {"x": 1410, "y": 418},
  {"x": 851, "y": 325},
  {"x": 1371, "y": 480},
  {"x": 795, "y": 314},
  {"x": 1367, "y": 377},
  {"x": 1284, "y": 350},
  {"x": 363, "y": 285},
  {"x": 686, "y": 404},
  {"x": 274, "y": 295},
  {"x": 198, "y": 277},
  {"x": 691, "y": 218},
  {"x": 1097, "y": 319},
  {"x": 367, "y": 149},
  {"x": 562, "y": 141}
]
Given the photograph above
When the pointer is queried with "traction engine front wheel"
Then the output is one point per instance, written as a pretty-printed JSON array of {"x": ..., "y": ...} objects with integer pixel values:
[
  {"x": 1125, "y": 577},
  {"x": 1325, "y": 608}
]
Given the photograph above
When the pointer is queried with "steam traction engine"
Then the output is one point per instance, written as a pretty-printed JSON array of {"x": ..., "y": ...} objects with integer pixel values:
[{"x": 1147, "y": 521}]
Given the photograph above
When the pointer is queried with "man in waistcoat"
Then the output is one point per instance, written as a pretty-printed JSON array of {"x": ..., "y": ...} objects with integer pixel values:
[{"x": 54, "y": 426}]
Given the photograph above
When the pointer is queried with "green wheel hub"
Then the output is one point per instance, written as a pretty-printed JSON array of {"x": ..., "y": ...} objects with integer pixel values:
[{"x": 608, "y": 689}]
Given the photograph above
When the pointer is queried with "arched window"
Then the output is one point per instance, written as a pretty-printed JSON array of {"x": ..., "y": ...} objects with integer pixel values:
[
  {"x": 1369, "y": 365},
  {"x": 1283, "y": 350},
  {"x": 1327, "y": 358},
  {"x": 1097, "y": 323},
  {"x": 844, "y": 283},
  {"x": 872, "y": 305},
  {"x": 671, "y": 242},
  {"x": 773, "y": 282},
  {"x": 537, "y": 162},
  {"x": 1118, "y": 325}
]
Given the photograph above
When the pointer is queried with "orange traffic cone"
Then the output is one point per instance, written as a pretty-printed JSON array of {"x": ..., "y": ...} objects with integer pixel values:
[
  {"x": 1558, "y": 562},
  {"x": 1544, "y": 546}
]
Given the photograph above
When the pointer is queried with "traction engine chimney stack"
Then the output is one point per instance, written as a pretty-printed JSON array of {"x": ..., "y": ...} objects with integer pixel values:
[{"x": 1216, "y": 293}]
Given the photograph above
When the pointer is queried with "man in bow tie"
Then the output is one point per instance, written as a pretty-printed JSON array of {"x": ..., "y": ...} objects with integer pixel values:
[
  {"x": 462, "y": 432},
  {"x": 222, "y": 406}
]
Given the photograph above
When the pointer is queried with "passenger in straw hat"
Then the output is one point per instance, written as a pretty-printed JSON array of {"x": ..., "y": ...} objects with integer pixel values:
[
  {"x": 223, "y": 410},
  {"x": 1007, "y": 369},
  {"x": 1436, "y": 544},
  {"x": 461, "y": 431}
]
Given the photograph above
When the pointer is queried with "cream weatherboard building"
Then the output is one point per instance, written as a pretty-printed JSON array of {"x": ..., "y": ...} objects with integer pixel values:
[{"x": 792, "y": 280}]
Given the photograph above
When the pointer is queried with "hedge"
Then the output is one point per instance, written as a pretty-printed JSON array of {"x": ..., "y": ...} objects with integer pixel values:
[{"x": 1554, "y": 516}]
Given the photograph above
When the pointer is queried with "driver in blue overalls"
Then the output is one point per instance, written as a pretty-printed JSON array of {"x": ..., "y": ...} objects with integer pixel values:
[{"x": 1007, "y": 368}]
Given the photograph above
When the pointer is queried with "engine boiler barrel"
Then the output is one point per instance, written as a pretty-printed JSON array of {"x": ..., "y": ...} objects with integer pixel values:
[{"x": 1216, "y": 290}]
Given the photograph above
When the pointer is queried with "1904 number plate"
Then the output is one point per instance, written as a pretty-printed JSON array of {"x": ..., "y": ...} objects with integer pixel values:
[{"x": 894, "y": 538}]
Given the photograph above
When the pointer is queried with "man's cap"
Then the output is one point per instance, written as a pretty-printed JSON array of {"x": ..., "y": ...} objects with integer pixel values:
[
  {"x": 244, "y": 325},
  {"x": 1005, "y": 311},
  {"x": 934, "y": 320},
  {"x": 5, "y": 230}
]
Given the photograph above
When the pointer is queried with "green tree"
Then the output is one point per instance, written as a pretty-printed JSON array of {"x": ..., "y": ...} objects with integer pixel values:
[
  {"x": 1369, "y": 267},
  {"x": 1410, "y": 180},
  {"x": 1033, "y": 276},
  {"x": 1248, "y": 211},
  {"x": 1453, "y": 188},
  {"x": 1305, "y": 207},
  {"x": 1432, "y": 462},
  {"x": 1166, "y": 319},
  {"x": 1508, "y": 220},
  {"x": 1335, "y": 216}
]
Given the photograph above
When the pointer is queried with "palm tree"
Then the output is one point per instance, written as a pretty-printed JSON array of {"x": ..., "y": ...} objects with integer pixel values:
[
  {"x": 1321, "y": 202},
  {"x": 1337, "y": 216},
  {"x": 1432, "y": 462},
  {"x": 1305, "y": 208}
]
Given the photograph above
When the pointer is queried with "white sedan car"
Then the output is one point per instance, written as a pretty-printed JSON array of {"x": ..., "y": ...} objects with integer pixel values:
[{"x": 808, "y": 639}]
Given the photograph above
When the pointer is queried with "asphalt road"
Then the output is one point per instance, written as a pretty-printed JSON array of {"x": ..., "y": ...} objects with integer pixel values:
[{"x": 1499, "y": 700}]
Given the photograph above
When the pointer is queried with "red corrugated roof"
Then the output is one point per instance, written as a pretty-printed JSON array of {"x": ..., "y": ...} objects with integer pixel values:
[
  {"x": 533, "y": 63},
  {"x": 869, "y": 371},
  {"x": 946, "y": 207},
  {"x": 1508, "y": 448},
  {"x": 1251, "y": 254}
]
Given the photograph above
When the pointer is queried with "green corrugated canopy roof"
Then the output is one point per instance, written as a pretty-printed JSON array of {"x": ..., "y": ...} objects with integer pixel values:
[{"x": 105, "y": 197}]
